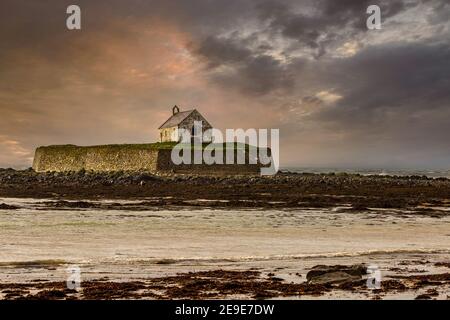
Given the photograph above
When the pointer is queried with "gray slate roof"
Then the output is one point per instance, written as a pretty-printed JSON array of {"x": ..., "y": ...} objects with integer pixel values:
[{"x": 176, "y": 119}]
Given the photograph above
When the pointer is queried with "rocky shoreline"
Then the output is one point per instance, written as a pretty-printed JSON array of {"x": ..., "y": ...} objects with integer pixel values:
[
  {"x": 249, "y": 284},
  {"x": 285, "y": 190}
]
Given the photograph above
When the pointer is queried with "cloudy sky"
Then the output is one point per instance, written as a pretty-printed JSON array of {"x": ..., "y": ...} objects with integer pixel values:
[{"x": 341, "y": 95}]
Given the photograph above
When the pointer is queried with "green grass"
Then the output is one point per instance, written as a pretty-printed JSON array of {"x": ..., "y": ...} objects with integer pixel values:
[{"x": 153, "y": 146}]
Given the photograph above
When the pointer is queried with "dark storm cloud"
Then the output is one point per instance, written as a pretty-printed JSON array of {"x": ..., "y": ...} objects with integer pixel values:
[
  {"x": 220, "y": 51},
  {"x": 392, "y": 86},
  {"x": 248, "y": 70},
  {"x": 395, "y": 101},
  {"x": 326, "y": 21},
  {"x": 399, "y": 78},
  {"x": 441, "y": 12},
  {"x": 251, "y": 66}
]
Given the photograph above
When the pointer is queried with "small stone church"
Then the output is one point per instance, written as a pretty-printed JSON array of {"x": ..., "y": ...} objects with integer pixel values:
[{"x": 169, "y": 130}]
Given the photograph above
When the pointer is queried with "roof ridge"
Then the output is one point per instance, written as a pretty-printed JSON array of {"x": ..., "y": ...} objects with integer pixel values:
[{"x": 188, "y": 112}]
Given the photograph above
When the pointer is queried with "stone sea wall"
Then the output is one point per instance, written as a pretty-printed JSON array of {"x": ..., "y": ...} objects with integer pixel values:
[{"x": 140, "y": 157}]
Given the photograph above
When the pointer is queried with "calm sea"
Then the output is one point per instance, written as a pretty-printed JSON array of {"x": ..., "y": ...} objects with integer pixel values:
[{"x": 432, "y": 173}]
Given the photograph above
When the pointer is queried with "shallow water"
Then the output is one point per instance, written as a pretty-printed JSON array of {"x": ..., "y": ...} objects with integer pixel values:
[{"x": 39, "y": 242}]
